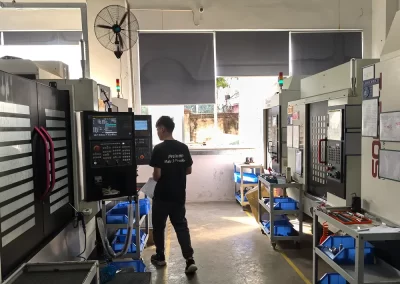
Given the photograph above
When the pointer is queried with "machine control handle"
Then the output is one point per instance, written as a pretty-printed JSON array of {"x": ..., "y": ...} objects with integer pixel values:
[
  {"x": 319, "y": 150},
  {"x": 46, "y": 153},
  {"x": 52, "y": 159}
]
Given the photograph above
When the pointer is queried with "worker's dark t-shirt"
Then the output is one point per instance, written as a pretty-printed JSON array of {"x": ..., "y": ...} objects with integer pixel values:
[{"x": 173, "y": 158}]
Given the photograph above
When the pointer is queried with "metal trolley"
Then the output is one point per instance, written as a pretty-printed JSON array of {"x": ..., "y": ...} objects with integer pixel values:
[
  {"x": 358, "y": 273},
  {"x": 138, "y": 223},
  {"x": 77, "y": 272},
  {"x": 273, "y": 212}
]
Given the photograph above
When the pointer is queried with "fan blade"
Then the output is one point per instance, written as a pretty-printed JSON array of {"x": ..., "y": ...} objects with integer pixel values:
[
  {"x": 104, "y": 27},
  {"x": 123, "y": 18},
  {"x": 121, "y": 41}
]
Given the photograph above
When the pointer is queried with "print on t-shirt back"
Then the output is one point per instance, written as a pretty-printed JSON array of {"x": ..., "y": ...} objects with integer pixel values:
[{"x": 175, "y": 158}]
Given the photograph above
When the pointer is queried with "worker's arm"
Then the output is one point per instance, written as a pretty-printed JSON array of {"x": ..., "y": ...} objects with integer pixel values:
[
  {"x": 189, "y": 162},
  {"x": 155, "y": 163},
  {"x": 156, "y": 173}
]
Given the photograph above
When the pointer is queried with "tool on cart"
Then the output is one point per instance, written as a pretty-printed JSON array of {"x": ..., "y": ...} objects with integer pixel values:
[
  {"x": 349, "y": 218},
  {"x": 325, "y": 232}
]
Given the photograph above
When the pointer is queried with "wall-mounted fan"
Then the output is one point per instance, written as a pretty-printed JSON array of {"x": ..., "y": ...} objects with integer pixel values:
[{"x": 116, "y": 28}]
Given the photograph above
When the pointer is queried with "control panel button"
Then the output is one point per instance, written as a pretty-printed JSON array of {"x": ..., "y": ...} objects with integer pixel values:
[
  {"x": 97, "y": 148},
  {"x": 141, "y": 157}
]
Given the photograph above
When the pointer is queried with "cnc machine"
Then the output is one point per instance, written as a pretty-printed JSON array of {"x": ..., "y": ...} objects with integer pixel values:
[
  {"x": 329, "y": 120},
  {"x": 42, "y": 169},
  {"x": 275, "y": 122},
  {"x": 380, "y": 174}
]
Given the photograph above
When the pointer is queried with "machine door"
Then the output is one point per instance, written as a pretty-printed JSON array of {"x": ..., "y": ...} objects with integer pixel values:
[
  {"x": 21, "y": 212},
  {"x": 274, "y": 138},
  {"x": 317, "y": 175},
  {"x": 54, "y": 118}
]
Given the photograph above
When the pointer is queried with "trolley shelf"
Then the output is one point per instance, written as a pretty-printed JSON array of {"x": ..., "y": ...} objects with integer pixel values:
[
  {"x": 124, "y": 226},
  {"x": 137, "y": 225},
  {"x": 381, "y": 272},
  {"x": 295, "y": 236},
  {"x": 279, "y": 212},
  {"x": 359, "y": 273}
]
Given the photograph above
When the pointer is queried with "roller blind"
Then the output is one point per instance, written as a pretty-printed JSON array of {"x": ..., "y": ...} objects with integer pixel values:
[
  {"x": 42, "y": 38},
  {"x": 252, "y": 53},
  {"x": 177, "y": 68},
  {"x": 315, "y": 52}
]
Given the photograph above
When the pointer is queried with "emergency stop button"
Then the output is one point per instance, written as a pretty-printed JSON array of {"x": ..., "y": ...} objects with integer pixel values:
[
  {"x": 97, "y": 148},
  {"x": 141, "y": 157}
]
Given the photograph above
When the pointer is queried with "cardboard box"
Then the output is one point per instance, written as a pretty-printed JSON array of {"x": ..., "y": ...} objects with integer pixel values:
[{"x": 252, "y": 197}]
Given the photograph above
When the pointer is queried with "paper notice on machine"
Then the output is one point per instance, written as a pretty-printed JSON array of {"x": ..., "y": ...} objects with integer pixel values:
[{"x": 149, "y": 188}]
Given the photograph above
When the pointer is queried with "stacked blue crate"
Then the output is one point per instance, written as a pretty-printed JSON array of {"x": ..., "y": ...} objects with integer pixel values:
[
  {"x": 283, "y": 203},
  {"x": 120, "y": 238},
  {"x": 332, "y": 278},
  {"x": 342, "y": 250},
  {"x": 119, "y": 213},
  {"x": 282, "y": 226}
]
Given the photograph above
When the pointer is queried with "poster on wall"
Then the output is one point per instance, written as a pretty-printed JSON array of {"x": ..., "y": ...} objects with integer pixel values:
[
  {"x": 390, "y": 126},
  {"x": 389, "y": 166},
  {"x": 370, "y": 109},
  {"x": 296, "y": 115},
  {"x": 289, "y": 140},
  {"x": 290, "y": 110},
  {"x": 370, "y": 83}
]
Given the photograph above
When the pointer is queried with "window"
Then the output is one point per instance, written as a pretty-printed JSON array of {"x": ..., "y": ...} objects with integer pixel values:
[{"x": 234, "y": 121}]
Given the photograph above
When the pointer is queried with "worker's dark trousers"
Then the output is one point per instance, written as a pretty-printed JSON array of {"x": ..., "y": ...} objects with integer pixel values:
[{"x": 176, "y": 212}]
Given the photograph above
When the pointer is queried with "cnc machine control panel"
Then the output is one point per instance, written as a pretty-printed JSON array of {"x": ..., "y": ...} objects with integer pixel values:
[
  {"x": 111, "y": 154},
  {"x": 143, "y": 139},
  {"x": 109, "y": 151}
]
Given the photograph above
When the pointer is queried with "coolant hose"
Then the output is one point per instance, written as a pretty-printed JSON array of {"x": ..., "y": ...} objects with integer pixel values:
[{"x": 104, "y": 240}]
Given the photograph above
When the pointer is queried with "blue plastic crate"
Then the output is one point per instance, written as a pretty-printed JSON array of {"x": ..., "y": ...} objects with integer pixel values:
[
  {"x": 116, "y": 218},
  {"x": 283, "y": 203},
  {"x": 280, "y": 220},
  {"x": 281, "y": 230},
  {"x": 332, "y": 278},
  {"x": 122, "y": 208},
  {"x": 348, "y": 253},
  {"x": 121, "y": 235},
  {"x": 118, "y": 246},
  {"x": 247, "y": 178},
  {"x": 137, "y": 265}
]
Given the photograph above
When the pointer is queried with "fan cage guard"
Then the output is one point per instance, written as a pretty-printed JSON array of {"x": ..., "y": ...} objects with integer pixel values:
[{"x": 111, "y": 17}]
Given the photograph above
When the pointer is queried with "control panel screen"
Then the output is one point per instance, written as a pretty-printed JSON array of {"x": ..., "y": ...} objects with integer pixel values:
[
  {"x": 141, "y": 125},
  {"x": 110, "y": 126},
  {"x": 105, "y": 126}
]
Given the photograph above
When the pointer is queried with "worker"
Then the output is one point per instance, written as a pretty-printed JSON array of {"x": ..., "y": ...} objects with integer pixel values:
[{"x": 172, "y": 162}]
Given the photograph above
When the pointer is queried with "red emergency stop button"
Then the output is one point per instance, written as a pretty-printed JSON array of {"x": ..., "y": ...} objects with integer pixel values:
[
  {"x": 141, "y": 157},
  {"x": 97, "y": 148}
]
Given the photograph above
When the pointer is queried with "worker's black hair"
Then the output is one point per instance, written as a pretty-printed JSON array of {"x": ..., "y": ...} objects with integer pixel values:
[{"x": 166, "y": 122}]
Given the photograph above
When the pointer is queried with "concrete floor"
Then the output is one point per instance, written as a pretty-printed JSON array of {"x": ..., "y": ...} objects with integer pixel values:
[{"x": 229, "y": 248}]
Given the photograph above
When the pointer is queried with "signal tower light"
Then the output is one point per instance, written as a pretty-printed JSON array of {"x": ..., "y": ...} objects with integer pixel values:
[
  {"x": 280, "y": 79},
  {"x": 118, "y": 87}
]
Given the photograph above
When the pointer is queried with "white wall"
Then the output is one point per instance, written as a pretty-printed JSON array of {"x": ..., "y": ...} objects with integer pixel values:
[{"x": 212, "y": 178}]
